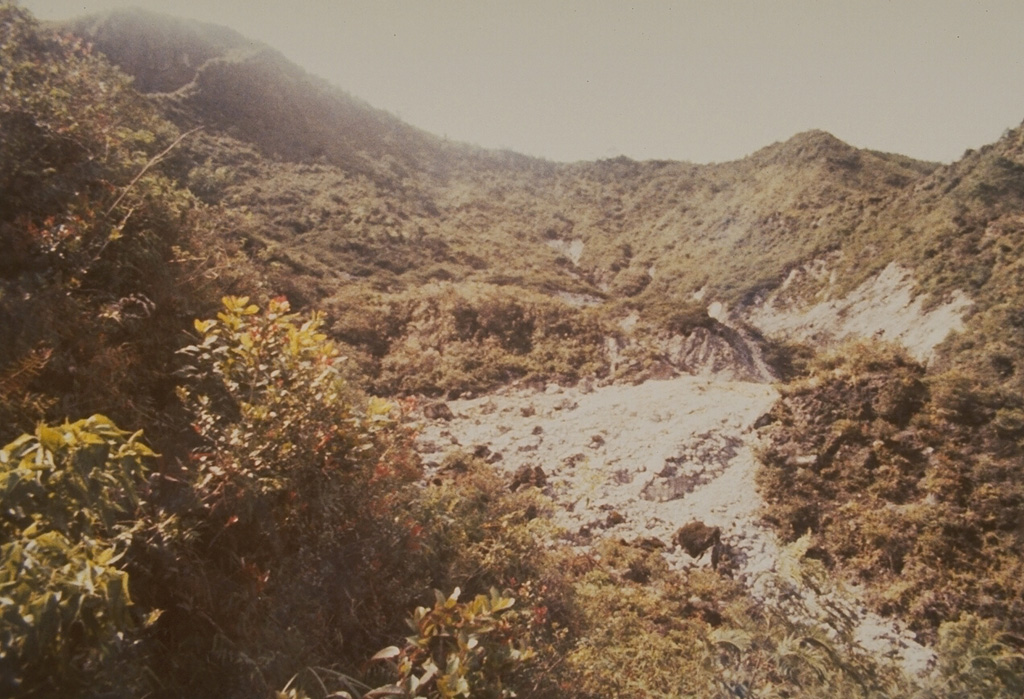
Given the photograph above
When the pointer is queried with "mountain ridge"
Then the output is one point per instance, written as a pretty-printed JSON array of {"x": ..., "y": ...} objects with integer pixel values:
[
  {"x": 347, "y": 198},
  {"x": 149, "y": 46}
]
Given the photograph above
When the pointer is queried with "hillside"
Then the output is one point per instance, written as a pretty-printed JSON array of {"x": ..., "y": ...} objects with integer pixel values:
[
  {"x": 349, "y": 206},
  {"x": 371, "y": 364}
]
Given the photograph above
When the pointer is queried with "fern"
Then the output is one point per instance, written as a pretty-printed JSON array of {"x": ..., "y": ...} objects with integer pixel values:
[{"x": 20, "y": 406}]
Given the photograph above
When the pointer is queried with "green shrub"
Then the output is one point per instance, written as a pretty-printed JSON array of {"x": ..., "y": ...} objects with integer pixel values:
[
  {"x": 976, "y": 660},
  {"x": 459, "y": 649},
  {"x": 93, "y": 276},
  {"x": 644, "y": 630},
  {"x": 68, "y": 495},
  {"x": 454, "y": 338},
  {"x": 300, "y": 485}
]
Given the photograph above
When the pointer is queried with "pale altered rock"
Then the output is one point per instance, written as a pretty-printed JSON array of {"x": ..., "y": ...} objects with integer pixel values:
[{"x": 673, "y": 452}]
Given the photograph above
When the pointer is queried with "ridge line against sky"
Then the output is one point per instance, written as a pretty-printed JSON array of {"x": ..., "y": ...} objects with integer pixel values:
[{"x": 694, "y": 81}]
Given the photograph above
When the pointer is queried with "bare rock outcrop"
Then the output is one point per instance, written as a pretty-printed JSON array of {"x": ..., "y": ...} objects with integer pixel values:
[
  {"x": 721, "y": 351},
  {"x": 674, "y": 462},
  {"x": 884, "y": 307}
]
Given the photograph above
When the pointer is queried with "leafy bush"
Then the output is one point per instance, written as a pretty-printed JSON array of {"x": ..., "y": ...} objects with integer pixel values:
[
  {"x": 646, "y": 631},
  {"x": 453, "y": 338},
  {"x": 976, "y": 660},
  {"x": 459, "y": 649},
  {"x": 300, "y": 479},
  {"x": 68, "y": 495}
]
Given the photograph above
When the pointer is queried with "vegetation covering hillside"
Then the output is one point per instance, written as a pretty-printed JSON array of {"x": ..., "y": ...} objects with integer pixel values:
[
  {"x": 204, "y": 492},
  {"x": 909, "y": 482},
  {"x": 366, "y": 208}
]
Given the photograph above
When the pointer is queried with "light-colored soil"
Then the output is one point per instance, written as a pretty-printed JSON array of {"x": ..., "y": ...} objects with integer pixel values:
[
  {"x": 660, "y": 454},
  {"x": 640, "y": 461},
  {"x": 883, "y": 307}
]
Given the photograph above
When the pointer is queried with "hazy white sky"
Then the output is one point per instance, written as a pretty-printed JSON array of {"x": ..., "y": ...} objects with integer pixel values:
[{"x": 696, "y": 80}]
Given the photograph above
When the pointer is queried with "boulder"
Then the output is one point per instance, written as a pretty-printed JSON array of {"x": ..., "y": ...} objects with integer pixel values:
[
  {"x": 696, "y": 537},
  {"x": 529, "y": 476},
  {"x": 437, "y": 411}
]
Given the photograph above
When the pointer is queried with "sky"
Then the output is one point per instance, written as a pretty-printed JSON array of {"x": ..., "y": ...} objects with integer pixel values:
[{"x": 700, "y": 81}]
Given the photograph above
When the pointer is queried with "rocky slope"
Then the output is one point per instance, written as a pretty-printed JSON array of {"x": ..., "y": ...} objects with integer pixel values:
[
  {"x": 805, "y": 308},
  {"x": 640, "y": 463},
  {"x": 610, "y": 331},
  {"x": 643, "y": 462}
]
